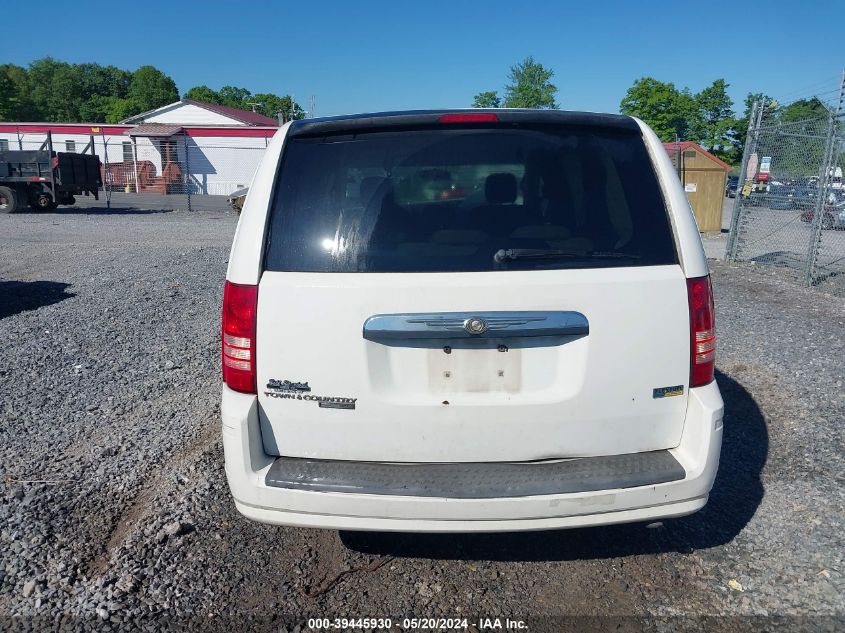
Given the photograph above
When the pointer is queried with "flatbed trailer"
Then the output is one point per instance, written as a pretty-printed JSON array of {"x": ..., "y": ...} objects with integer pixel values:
[{"x": 44, "y": 179}]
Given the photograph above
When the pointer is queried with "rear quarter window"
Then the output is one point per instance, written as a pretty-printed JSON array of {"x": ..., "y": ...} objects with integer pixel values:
[{"x": 449, "y": 200}]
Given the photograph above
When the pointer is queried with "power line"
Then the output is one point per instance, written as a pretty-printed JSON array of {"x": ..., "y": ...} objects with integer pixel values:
[{"x": 829, "y": 81}]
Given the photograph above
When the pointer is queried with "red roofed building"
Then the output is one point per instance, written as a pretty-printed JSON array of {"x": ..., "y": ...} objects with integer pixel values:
[
  {"x": 186, "y": 146},
  {"x": 188, "y": 111}
]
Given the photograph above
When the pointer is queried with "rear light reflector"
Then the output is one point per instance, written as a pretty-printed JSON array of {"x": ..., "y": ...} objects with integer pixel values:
[
  {"x": 242, "y": 365},
  {"x": 469, "y": 117},
  {"x": 237, "y": 341},
  {"x": 702, "y": 316},
  {"x": 236, "y": 352},
  {"x": 240, "y": 303}
]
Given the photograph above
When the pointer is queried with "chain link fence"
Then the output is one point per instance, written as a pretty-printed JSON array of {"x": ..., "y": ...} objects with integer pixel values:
[{"x": 790, "y": 205}]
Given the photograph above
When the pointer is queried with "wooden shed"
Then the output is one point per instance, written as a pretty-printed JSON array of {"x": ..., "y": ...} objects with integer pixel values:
[{"x": 703, "y": 176}]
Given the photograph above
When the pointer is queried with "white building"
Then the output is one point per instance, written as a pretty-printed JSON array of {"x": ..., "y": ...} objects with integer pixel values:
[{"x": 189, "y": 145}]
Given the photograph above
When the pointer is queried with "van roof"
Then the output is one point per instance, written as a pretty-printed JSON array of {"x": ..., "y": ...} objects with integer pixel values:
[{"x": 430, "y": 118}]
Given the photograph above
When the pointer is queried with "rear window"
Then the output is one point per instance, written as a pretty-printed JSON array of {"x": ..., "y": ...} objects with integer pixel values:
[{"x": 452, "y": 200}]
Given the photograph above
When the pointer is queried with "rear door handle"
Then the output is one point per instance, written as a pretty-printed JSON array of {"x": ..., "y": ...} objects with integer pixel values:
[{"x": 474, "y": 325}]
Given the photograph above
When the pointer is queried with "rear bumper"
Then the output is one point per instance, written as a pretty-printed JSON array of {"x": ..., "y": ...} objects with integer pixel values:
[{"x": 247, "y": 466}]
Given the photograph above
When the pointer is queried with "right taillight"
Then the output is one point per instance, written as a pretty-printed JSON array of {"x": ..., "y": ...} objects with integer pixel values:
[
  {"x": 702, "y": 319},
  {"x": 240, "y": 303}
]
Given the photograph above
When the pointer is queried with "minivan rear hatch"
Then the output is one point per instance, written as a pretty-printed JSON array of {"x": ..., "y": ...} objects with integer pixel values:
[{"x": 457, "y": 289}]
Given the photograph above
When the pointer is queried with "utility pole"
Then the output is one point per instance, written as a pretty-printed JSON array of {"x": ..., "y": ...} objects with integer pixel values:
[{"x": 312, "y": 106}]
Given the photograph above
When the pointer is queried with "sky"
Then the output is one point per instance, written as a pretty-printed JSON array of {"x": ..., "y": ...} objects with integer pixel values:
[{"x": 373, "y": 56}]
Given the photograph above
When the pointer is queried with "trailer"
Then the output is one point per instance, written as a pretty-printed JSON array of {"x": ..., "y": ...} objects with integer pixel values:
[{"x": 44, "y": 179}]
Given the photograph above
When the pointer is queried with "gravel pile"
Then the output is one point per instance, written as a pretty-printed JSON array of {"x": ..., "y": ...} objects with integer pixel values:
[{"x": 114, "y": 509}]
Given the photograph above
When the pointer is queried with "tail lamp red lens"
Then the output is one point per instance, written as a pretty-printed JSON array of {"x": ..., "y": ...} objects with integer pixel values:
[
  {"x": 702, "y": 316},
  {"x": 469, "y": 117},
  {"x": 240, "y": 303}
]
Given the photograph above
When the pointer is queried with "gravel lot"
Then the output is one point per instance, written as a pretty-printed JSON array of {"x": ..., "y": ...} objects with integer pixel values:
[{"x": 115, "y": 506}]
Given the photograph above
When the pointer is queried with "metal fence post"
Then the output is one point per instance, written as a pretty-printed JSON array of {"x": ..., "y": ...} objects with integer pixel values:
[
  {"x": 107, "y": 185},
  {"x": 825, "y": 181},
  {"x": 750, "y": 148},
  {"x": 187, "y": 171}
]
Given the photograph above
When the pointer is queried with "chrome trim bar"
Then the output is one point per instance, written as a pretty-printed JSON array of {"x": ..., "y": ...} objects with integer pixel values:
[{"x": 474, "y": 325}]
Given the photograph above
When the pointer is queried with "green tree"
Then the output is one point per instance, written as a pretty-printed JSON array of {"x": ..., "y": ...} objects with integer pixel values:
[
  {"x": 487, "y": 99},
  {"x": 102, "y": 87},
  {"x": 234, "y": 97},
  {"x": 15, "y": 99},
  {"x": 713, "y": 124},
  {"x": 109, "y": 109},
  {"x": 52, "y": 90},
  {"x": 56, "y": 91},
  {"x": 203, "y": 93},
  {"x": 273, "y": 105},
  {"x": 667, "y": 110},
  {"x": 740, "y": 124},
  {"x": 47, "y": 77},
  {"x": 8, "y": 96},
  {"x": 803, "y": 110},
  {"x": 266, "y": 103},
  {"x": 530, "y": 86},
  {"x": 802, "y": 127},
  {"x": 150, "y": 89}
]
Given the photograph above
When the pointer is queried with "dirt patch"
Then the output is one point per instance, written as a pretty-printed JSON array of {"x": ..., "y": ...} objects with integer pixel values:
[{"x": 126, "y": 522}]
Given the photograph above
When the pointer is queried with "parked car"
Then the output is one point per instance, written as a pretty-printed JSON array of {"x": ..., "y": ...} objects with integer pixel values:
[
  {"x": 535, "y": 353},
  {"x": 779, "y": 197},
  {"x": 237, "y": 198},
  {"x": 834, "y": 213},
  {"x": 803, "y": 197},
  {"x": 730, "y": 186}
]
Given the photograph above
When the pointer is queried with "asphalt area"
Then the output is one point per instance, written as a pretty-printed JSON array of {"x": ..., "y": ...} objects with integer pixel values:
[{"x": 115, "y": 510}]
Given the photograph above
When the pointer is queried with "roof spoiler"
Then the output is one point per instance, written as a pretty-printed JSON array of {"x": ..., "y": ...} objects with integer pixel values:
[{"x": 435, "y": 118}]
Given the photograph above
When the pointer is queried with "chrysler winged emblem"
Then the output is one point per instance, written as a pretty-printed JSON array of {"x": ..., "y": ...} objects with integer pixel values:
[{"x": 475, "y": 325}]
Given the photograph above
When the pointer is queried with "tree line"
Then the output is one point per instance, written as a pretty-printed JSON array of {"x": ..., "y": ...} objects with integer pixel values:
[
  {"x": 57, "y": 91},
  {"x": 266, "y": 103},
  {"x": 706, "y": 117}
]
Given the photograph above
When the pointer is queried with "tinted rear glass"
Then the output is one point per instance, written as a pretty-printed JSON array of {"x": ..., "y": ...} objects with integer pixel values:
[{"x": 449, "y": 200}]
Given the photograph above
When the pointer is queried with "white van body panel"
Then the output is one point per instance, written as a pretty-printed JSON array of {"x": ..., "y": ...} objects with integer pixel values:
[
  {"x": 687, "y": 239},
  {"x": 421, "y": 404},
  {"x": 247, "y": 465},
  {"x": 248, "y": 244},
  {"x": 571, "y": 399}
]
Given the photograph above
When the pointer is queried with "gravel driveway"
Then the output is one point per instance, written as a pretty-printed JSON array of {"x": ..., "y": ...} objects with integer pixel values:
[{"x": 115, "y": 506}]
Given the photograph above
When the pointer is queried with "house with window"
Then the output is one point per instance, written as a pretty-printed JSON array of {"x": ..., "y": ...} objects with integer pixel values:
[{"x": 189, "y": 145}]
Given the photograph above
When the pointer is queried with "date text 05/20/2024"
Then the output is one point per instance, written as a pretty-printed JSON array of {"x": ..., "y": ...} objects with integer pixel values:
[{"x": 443, "y": 624}]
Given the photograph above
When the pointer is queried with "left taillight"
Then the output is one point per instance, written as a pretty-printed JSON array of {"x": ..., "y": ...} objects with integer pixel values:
[{"x": 240, "y": 303}]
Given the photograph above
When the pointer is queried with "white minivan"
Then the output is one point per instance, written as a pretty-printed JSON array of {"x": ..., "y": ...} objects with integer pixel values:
[{"x": 468, "y": 320}]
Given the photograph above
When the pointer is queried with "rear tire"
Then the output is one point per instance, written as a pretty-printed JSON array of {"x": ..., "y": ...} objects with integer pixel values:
[
  {"x": 827, "y": 222},
  {"x": 42, "y": 202},
  {"x": 8, "y": 200}
]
